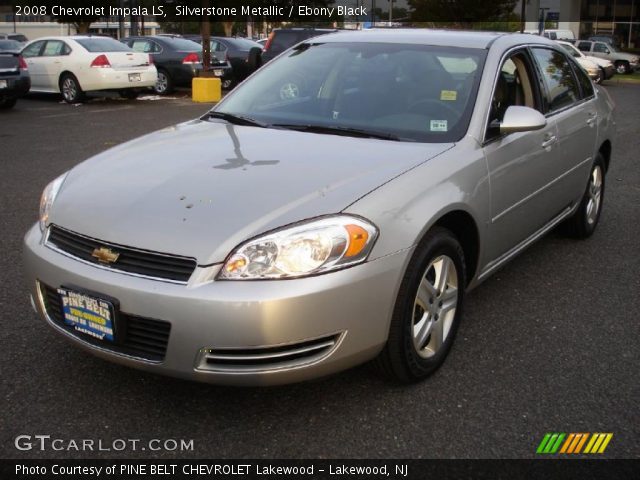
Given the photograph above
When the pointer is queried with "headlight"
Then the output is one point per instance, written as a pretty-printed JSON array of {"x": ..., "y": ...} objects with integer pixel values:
[
  {"x": 308, "y": 248},
  {"x": 48, "y": 196}
]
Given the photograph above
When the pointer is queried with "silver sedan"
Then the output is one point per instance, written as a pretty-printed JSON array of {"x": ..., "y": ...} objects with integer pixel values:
[{"x": 332, "y": 210}]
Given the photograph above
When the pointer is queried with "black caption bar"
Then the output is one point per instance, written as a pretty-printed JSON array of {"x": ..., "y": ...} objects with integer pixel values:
[
  {"x": 462, "y": 12},
  {"x": 325, "y": 469}
]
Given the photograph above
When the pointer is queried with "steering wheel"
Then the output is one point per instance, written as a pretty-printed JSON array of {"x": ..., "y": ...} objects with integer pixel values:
[{"x": 425, "y": 105}]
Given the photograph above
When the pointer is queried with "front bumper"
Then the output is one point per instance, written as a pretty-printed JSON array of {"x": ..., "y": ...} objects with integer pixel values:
[{"x": 351, "y": 308}]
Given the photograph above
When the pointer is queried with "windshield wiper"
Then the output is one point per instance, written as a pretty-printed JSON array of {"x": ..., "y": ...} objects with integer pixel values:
[
  {"x": 344, "y": 131},
  {"x": 236, "y": 119}
]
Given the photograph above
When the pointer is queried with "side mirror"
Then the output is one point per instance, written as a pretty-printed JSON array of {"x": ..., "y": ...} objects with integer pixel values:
[{"x": 522, "y": 119}]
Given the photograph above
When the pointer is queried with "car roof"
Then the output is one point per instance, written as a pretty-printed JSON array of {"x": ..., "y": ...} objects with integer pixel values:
[{"x": 453, "y": 38}]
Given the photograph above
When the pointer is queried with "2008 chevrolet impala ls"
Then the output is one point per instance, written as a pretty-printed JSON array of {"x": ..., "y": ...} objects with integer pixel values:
[{"x": 332, "y": 210}]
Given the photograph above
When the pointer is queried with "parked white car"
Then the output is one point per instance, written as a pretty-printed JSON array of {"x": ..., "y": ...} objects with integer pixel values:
[
  {"x": 78, "y": 64},
  {"x": 599, "y": 69}
]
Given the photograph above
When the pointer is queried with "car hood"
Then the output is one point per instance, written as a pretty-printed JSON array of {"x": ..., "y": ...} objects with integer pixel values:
[{"x": 199, "y": 189}]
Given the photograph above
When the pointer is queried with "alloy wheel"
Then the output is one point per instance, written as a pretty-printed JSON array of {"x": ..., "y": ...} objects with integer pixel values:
[
  {"x": 162, "y": 83},
  {"x": 435, "y": 306},
  {"x": 69, "y": 89},
  {"x": 595, "y": 195}
]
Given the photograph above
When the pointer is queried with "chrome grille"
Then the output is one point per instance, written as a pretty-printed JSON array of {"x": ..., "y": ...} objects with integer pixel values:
[{"x": 130, "y": 260}]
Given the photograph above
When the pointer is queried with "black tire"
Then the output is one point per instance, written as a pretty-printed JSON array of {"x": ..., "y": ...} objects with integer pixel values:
[
  {"x": 164, "y": 85},
  {"x": 7, "y": 102},
  {"x": 601, "y": 76},
  {"x": 129, "y": 93},
  {"x": 584, "y": 221},
  {"x": 622, "y": 67},
  {"x": 70, "y": 89},
  {"x": 401, "y": 359}
]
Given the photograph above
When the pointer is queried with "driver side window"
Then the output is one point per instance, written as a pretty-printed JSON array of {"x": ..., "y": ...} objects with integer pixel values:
[{"x": 514, "y": 86}]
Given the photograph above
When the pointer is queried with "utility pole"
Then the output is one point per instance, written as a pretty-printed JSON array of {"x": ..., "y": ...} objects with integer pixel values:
[
  {"x": 390, "y": 11},
  {"x": 523, "y": 11}
]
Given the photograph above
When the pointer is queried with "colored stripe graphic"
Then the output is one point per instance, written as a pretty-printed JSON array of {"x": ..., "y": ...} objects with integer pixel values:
[{"x": 573, "y": 443}]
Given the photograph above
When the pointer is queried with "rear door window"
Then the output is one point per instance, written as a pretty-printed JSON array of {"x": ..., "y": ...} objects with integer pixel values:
[{"x": 55, "y": 48}]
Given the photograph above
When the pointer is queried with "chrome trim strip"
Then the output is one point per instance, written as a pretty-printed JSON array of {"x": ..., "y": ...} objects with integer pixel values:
[
  {"x": 77, "y": 339},
  {"x": 200, "y": 361},
  {"x": 274, "y": 355},
  {"x": 111, "y": 269}
]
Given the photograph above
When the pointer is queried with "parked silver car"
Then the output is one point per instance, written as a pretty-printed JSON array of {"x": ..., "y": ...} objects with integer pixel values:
[{"x": 333, "y": 209}]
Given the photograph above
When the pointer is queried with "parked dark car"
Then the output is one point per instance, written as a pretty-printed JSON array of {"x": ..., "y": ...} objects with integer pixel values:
[
  {"x": 14, "y": 79},
  {"x": 177, "y": 59},
  {"x": 10, "y": 46},
  {"x": 235, "y": 50},
  {"x": 282, "y": 38},
  {"x": 18, "y": 37}
]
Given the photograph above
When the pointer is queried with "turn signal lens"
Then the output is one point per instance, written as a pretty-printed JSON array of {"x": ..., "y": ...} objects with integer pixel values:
[{"x": 358, "y": 238}]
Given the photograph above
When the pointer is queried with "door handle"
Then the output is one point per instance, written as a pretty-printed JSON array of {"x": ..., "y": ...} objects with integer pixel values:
[
  {"x": 549, "y": 140},
  {"x": 592, "y": 119}
]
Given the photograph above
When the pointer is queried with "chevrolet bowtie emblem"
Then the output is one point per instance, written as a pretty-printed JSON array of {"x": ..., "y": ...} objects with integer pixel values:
[{"x": 105, "y": 255}]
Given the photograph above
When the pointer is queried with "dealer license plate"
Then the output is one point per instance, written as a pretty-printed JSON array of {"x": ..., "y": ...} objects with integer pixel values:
[
  {"x": 3, "y": 84},
  {"x": 218, "y": 73},
  {"x": 86, "y": 314},
  {"x": 134, "y": 77}
]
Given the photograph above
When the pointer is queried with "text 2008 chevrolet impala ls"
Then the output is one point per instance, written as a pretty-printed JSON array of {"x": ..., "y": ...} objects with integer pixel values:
[{"x": 334, "y": 209}]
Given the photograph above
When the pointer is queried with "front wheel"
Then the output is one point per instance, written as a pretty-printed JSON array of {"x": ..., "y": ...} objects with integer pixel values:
[
  {"x": 427, "y": 311},
  {"x": 70, "y": 88},
  {"x": 585, "y": 220}
]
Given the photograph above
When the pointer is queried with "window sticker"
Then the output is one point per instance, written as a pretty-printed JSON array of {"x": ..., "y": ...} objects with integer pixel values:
[
  {"x": 438, "y": 125},
  {"x": 449, "y": 95}
]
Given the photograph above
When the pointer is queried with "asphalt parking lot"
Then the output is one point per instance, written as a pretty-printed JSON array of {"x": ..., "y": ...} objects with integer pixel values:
[{"x": 549, "y": 344}]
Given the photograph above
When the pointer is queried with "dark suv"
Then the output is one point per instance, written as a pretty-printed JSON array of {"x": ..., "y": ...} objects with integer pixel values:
[{"x": 282, "y": 38}]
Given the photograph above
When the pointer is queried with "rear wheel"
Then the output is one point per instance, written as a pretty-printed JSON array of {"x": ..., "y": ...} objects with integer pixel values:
[
  {"x": 427, "y": 311},
  {"x": 164, "y": 84},
  {"x": 70, "y": 89},
  {"x": 585, "y": 220},
  {"x": 7, "y": 102}
]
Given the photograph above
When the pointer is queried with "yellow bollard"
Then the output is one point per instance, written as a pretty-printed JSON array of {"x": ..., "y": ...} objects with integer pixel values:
[{"x": 205, "y": 90}]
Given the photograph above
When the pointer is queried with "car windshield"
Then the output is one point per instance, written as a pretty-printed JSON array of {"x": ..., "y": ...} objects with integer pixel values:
[
  {"x": 403, "y": 91},
  {"x": 102, "y": 45}
]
